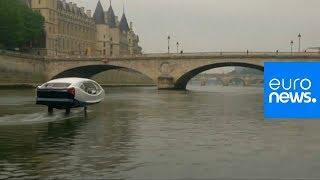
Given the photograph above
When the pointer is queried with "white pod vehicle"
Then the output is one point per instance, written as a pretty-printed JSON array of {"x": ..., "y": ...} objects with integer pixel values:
[{"x": 67, "y": 93}]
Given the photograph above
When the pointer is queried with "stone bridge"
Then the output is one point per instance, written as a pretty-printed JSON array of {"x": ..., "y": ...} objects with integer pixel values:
[
  {"x": 168, "y": 71},
  {"x": 228, "y": 79}
]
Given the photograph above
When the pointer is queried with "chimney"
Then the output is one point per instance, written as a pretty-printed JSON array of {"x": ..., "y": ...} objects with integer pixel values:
[{"x": 88, "y": 12}]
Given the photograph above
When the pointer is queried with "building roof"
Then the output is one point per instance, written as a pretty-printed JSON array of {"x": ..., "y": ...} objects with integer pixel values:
[
  {"x": 98, "y": 15},
  {"x": 124, "y": 24},
  {"x": 71, "y": 8},
  {"x": 111, "y": 18}
]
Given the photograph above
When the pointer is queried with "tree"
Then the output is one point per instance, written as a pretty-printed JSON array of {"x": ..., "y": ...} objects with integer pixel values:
[{"x": 18, "y": 24}]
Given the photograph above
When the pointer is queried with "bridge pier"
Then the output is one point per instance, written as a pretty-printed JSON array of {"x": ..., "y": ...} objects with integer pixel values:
[{"x": 165, "y": 82}]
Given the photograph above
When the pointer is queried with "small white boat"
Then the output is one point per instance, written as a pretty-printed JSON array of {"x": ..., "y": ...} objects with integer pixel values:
[{"x": 67, "y": 93}]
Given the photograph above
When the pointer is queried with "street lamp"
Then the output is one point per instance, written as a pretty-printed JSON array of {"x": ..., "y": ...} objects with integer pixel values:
[
  {"x": 291, "y": 44},
  {"x": 177, "y": 47},
  {"x": 169, "y": 44},
  {"x": 299, "y": 36}
]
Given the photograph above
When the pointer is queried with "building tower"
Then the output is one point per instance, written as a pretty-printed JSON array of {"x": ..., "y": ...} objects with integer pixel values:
[
  {"x": 114, "y": 37},
  {"x": 124, "y": 32},
  {"x": 101, "y": 26}
]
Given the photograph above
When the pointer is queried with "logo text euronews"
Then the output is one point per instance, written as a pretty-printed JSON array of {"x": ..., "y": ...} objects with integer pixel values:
[{"x": 296, "y": 91}]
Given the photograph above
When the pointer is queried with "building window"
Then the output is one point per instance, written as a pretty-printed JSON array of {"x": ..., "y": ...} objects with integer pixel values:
[{"x": 111, "y": 50}]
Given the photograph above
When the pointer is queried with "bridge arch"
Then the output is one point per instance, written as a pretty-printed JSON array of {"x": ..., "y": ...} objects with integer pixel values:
[
  {"x": 220, "y": 81},
  {"x": 236, "y": 80},
  {"x": 182, "y": 81},
  {"x": 88, "y": 71}
]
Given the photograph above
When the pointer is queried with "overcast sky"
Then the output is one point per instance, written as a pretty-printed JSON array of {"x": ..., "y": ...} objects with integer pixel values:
[{"x": 215, "y": 25}]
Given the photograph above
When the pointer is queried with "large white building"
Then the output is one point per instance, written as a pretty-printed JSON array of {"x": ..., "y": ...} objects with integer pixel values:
[{"x": 70, "y": 30}]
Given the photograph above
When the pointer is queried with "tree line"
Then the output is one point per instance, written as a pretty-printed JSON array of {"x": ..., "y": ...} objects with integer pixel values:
[{"x": 19, "y": 24}]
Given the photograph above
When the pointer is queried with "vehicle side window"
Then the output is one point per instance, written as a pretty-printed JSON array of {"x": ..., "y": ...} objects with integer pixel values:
[
  {"x": 90, "y": 88},
  {"x": 56, "y": 85},
  {"x": 83, "y": 87}
]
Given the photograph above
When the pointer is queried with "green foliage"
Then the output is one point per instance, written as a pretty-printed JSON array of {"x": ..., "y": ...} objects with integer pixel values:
[{"x": 18, "y": 24}]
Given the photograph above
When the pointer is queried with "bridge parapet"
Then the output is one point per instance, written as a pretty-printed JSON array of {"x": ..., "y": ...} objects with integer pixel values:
[
  {"x": 161, "y": 56},
  {"x": 218, "y": 55}
]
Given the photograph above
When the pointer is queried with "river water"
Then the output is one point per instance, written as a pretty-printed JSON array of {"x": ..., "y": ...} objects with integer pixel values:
[{"x": 143, "y": 133}]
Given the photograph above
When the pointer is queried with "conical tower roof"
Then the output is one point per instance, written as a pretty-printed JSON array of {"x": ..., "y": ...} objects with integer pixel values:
[
  {"x": 111, "y": 17},
  {"x": 98, "y": 15},
  {"x": 124, "y": 26}
]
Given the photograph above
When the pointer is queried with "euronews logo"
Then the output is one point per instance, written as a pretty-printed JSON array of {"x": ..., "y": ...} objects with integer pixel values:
[{"x": 292, "y": 90}]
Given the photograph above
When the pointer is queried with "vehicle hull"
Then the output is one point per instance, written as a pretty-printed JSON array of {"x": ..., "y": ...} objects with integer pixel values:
[
  {"x": 58, "y": 98},
  {"x": 67, "y": 93},
  {"x": 59, "y": 103}
]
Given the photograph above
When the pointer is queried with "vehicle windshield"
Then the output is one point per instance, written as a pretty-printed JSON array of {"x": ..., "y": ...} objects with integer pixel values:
[
  {"x": 90, "y": 88},
  {"x": 56, "y": 85}
]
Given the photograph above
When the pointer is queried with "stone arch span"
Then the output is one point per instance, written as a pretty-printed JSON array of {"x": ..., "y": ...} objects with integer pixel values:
[
  {"x": 237, "y": 79},
  {"x": 182, "y": 81},
  {"x": 220, "y": 81},
  {"x": 88, "y": 71}
]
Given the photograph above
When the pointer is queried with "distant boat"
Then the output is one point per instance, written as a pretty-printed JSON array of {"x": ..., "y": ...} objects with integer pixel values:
[{"x": 67, "y": 93}]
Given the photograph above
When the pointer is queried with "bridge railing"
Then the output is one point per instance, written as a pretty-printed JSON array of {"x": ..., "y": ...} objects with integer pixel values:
[
  {"x": 257, "y": 53},
  {"x": 187, "y": 54}
]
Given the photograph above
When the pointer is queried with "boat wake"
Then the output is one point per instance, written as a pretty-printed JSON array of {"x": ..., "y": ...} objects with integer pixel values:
[{"x": 38, "y": 118}]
